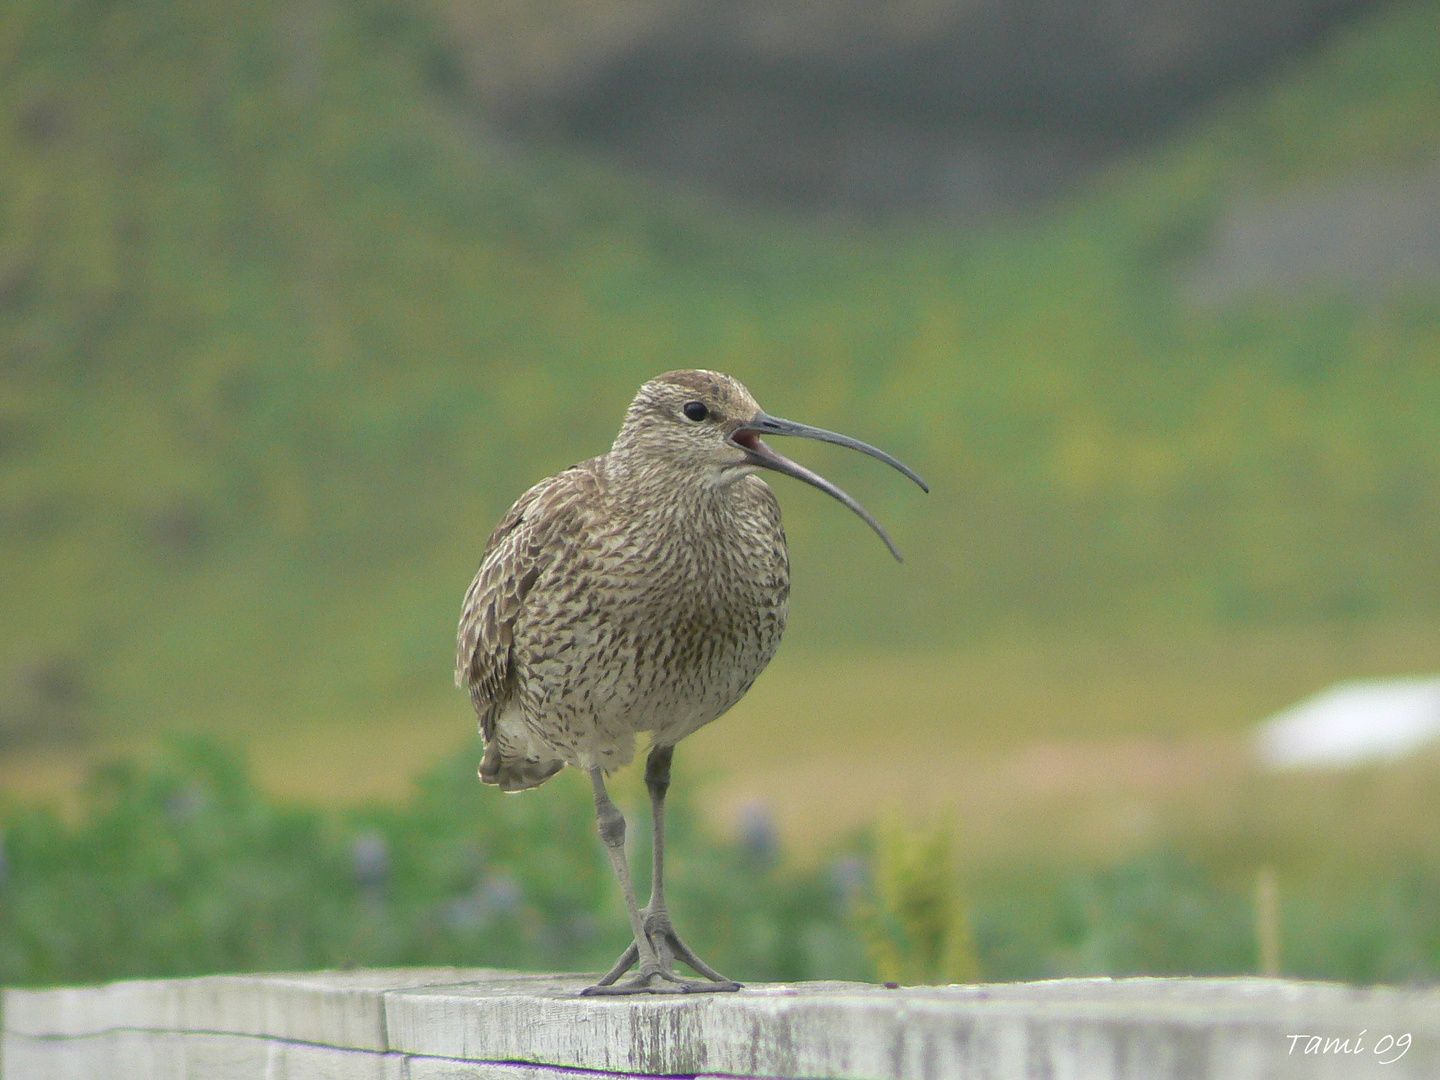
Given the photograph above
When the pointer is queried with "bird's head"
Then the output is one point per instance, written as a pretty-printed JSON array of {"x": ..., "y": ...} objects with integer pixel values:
[{"x": 704, "y": 427}]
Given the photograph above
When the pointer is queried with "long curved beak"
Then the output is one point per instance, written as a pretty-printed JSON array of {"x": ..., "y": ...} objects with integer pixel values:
[{"x": 747, "y": 438}]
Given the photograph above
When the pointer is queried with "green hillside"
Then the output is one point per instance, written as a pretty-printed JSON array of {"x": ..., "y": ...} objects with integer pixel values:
[{"x": 283, "y": 331}]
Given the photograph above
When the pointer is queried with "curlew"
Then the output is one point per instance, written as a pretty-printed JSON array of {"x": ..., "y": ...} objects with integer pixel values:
[{"x": 639, "y": 591}]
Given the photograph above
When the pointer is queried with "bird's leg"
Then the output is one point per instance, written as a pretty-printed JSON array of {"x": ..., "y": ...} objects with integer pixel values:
[
  {"x": 656, "y": 945},
  {"x": 658, "y": 928},
  {"x": 654, "y": 975}
]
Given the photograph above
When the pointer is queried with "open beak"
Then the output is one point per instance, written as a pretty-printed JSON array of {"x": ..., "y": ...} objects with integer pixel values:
[{"x": 747, "y": 438}]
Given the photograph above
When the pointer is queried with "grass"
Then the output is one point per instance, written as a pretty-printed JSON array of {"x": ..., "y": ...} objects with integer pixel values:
[
  {"x": 283, "y": 335},
  {"x": 1038, "y": 750},
  {"x": 1096, "y": 804},
  {"x": 181, "y": 866},
  {"x": 284, "y": 345}
]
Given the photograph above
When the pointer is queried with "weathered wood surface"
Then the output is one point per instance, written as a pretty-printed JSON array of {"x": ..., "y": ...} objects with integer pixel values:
[{"x": 449, "y": 1024}]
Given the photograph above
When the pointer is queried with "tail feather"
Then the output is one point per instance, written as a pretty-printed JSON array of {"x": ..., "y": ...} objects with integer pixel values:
[{"x": 515, "y": 773}]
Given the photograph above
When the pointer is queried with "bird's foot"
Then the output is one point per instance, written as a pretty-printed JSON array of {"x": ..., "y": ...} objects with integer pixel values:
[
  {"x": 652, "y": 979},
  {"x": 657, "y": 976},
  {"x": 669, "y": 947}
]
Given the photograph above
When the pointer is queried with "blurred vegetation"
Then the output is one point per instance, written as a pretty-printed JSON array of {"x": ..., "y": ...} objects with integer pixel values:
[
  {"x": 916, "y": 926},
  {"x": 181, "y": 867},
  {"x": 283, "y": 330}
]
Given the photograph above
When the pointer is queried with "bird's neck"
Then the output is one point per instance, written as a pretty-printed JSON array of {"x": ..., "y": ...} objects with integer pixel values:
[{"x": 660, "y": 490}]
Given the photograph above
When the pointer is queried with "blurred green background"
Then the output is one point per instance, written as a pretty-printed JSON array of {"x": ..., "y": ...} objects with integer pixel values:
[{"x": 296, "y": 297}]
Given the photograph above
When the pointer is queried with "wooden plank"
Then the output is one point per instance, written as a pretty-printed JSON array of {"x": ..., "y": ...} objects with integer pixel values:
[
  {"x": 330, "y": 1008},
  {"x": 151, "y": 1055},
  {"x": 1144, "y": 1028},
  {"x": 448, "y": 1024}
]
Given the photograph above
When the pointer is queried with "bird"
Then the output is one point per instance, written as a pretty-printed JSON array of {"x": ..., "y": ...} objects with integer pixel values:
[{"x": 638, "y": 592}]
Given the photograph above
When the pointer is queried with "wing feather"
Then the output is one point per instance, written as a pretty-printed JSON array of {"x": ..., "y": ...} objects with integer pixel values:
[{"x": 532, "y": 535}]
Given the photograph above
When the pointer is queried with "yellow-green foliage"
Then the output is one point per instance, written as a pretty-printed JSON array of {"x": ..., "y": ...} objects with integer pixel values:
[
  {"x": 915, "y": 923},
  {"x": 282, "y": 332}
]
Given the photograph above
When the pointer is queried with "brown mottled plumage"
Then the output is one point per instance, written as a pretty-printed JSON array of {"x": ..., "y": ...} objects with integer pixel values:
[
  {"x": 640, "y": 591},
  {"x": 603, "y": 606}
]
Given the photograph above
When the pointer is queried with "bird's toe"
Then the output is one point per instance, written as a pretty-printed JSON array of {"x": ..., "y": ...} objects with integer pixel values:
[{"x": 650, "y": 979}]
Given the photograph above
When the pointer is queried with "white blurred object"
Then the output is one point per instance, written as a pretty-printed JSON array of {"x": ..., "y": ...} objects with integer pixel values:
[{"x": 1353, "y": 723}]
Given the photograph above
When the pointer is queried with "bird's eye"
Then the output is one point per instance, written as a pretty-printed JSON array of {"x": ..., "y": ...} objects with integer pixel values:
[{"x": 696, "y": 411}]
